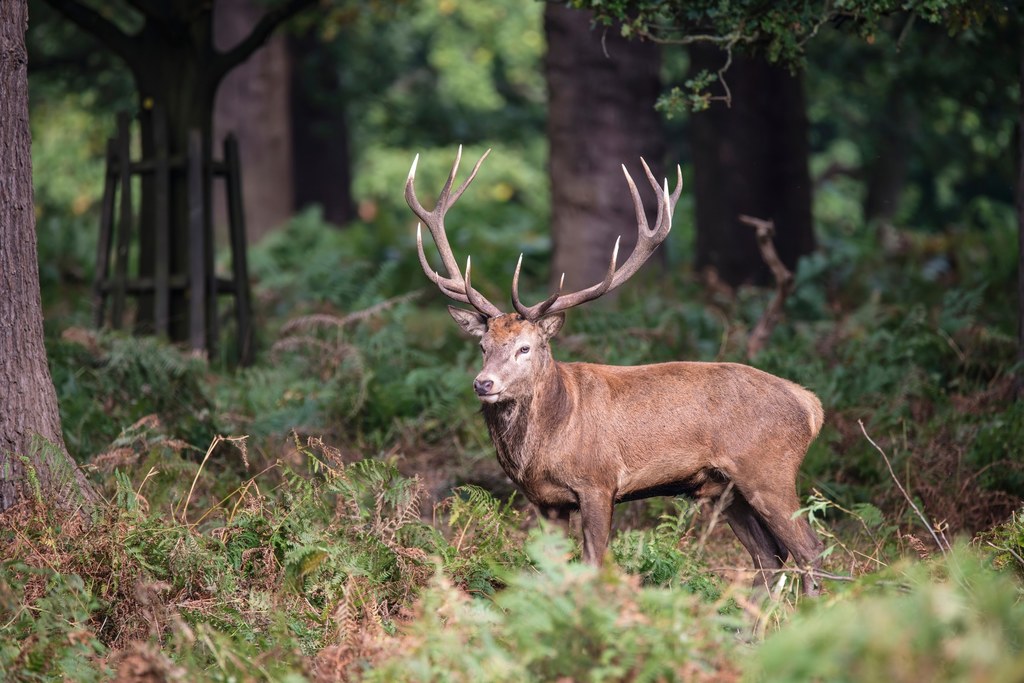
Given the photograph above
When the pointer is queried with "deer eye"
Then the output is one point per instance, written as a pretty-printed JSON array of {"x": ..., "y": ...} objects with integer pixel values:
[{"x": 523, "y": 349}]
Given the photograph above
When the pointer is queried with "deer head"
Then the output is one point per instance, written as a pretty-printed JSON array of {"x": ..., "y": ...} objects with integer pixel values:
[{"x": 515, "y": 345}]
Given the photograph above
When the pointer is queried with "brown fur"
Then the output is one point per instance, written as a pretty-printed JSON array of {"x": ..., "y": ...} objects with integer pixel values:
[{"x": 582, "y": 436}]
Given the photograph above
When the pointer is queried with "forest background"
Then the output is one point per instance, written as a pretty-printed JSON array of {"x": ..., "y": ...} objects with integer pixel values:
[{"x": 334, "y": 511}]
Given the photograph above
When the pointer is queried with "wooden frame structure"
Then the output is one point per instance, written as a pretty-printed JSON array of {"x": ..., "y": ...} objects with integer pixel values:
[{"x": 197, "y": 282}]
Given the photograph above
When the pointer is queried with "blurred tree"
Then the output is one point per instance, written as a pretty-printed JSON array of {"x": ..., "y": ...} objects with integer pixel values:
[
  {"x": 601, "y": 94},
  {"x": 253, "y": 104},
  {"x": 778, "y": 33},
  {"x": 33, "y": 459},
  {"x": 169, "y": 48},
  {"x": 750, "y": 158},
  {"x": 1020, "y": 208},
  {"x": 321, "y": 163},
  {"x": 929, "y": 115}
]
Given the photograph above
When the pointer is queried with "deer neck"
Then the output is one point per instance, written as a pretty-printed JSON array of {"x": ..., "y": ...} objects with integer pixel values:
[{"x": 519, "y": 427}]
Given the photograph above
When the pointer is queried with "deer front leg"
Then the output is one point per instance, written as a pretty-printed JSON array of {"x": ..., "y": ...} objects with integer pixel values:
[{"x": 596, "y": 520}]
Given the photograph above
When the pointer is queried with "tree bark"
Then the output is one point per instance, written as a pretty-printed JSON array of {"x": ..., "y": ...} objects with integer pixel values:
[
  {"x": 33, "y": 459},
  {"x": 601, "y": 95},
  {"x": 751, "y": 159},
  {"x": 253, "y": 103},
  {"x": 322, "y": 155},
  {"x": 1020, "y": 215}
]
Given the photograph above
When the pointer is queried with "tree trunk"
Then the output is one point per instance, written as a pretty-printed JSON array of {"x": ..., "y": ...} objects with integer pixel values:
[
  {"x": 887, "y": 169},
  {"x": 177, "y": 82},
  {"x": 751, "y": 159},
  {"x": 173, "y": 74},
  {"x": 1020, "y": 216},
  {"x": 321, "y": 161},
  {"x": 33, "y": 460},
  {"x": 601, "y": 95},
  {"x": 176, "y": 66},
  {"x": 253, "y": 102}
]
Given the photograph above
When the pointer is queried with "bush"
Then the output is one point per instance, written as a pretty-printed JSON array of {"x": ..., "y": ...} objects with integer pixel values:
[
  {"x": 563, "y": 621},
  {"x": 951, "y": 620}
]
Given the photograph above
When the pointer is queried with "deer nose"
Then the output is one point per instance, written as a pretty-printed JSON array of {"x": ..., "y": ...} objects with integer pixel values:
[{"x": 483, "y": 387}]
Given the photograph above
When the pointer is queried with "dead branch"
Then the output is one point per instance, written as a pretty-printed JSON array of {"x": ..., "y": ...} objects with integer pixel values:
[
  {"x": 319, "y": 320},
  {"x": 783, "y": 281}
]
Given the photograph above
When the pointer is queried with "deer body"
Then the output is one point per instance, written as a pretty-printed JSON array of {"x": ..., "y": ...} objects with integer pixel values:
[
  {"x": 583, "y": 436},
  {"x": 633, "y": 432}
]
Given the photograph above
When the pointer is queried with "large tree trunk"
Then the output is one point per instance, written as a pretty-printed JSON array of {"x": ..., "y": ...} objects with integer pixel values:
[
  {"x": 601, "y": 95},
  {"x": 253, "y": 103},
  {"x": 322, "y": 156},
  {"x": 32, "y": 449},
  {"x": 751, "y": 159},
  {"x": 1020, "y": 217}
]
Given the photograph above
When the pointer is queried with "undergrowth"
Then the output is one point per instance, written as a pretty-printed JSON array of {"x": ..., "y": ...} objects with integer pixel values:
[{"x": 357, "y": 527}]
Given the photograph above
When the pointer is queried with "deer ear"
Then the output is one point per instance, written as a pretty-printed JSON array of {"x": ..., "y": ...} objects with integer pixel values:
[
  {"x": 472, "y": 322},
  {"x": 550, "y": 325}
]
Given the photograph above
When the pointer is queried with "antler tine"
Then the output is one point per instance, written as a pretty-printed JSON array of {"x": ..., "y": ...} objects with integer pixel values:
[
  {"x": 450, "y": 288},
  {"x": 454, "y": 285},
  {"x": 516, "y": 303},
  {"x": 638, "y": 203},
  {"x": 476, "y": 299},
  {"x": 556, "y": 302},
  {"x": 443, "y": 198},
  {"x": 648, "y": 240},
  {"x": 472, "y": 174},
  {"x": 537, "y": 310},
  {"x": 410, "y": 192},
  {"x": 667, "y": 207}
]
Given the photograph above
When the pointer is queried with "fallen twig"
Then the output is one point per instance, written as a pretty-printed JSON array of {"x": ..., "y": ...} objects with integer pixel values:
[{"x": 939, "y": 542}]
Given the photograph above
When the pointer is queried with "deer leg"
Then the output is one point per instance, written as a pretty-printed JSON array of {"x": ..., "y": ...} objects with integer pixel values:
[
  {"x": 567, "y": 519},
  {"x": 795, "y": 534},
  {"x": 762, "y": 545},
  {"x": 596, "y": 520}
]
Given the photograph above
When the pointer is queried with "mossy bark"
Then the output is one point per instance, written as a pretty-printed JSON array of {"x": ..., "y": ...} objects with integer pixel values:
[{"x": 33, "y": 459}]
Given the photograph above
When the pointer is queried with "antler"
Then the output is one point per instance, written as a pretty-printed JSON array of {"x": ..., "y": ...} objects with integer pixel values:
[
  {"x": 647, "y": 241},
  {"x": 455, "y": 285}
]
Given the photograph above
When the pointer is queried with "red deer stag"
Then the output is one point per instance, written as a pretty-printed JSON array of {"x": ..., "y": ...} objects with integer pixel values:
[{"x": 581, "y": 437}]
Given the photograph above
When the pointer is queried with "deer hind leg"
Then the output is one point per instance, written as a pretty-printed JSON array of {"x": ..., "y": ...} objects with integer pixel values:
[
  {"x": 596, "y": 520},
  {"x": 777, "y": 510},
  {"x": 764, "y": 548}
]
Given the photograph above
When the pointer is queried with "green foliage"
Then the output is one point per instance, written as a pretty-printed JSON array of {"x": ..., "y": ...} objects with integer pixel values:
[
  {"x": 954, "y": 620},
  {"x": 562, "y": 621},
  {"x": 107, "y": 381},
  {"x": 995, "y": 452},
  {"x": 487, "y": 542},
  {"x": 780, "y": 29},
  {"x": 51, "y": 639},
  {"x": 1005, "y": 543},
  {"x": 658, "y": 557},
  {"x": 443, "y": 73}
]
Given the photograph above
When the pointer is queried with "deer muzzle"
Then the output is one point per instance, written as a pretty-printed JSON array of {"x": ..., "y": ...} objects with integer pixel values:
[{"x": 485, "y": 389}]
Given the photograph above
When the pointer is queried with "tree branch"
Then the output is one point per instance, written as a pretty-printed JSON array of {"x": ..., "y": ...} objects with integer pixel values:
[
  {"x": 226, "y": 61},
  {"x": 93, "y": 23},
  {"x": 783, "y": 280},
  {"x": 146, "y": 8}
]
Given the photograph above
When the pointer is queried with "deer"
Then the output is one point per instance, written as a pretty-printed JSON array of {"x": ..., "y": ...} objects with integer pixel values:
[{"x": 578, "y": 438}]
